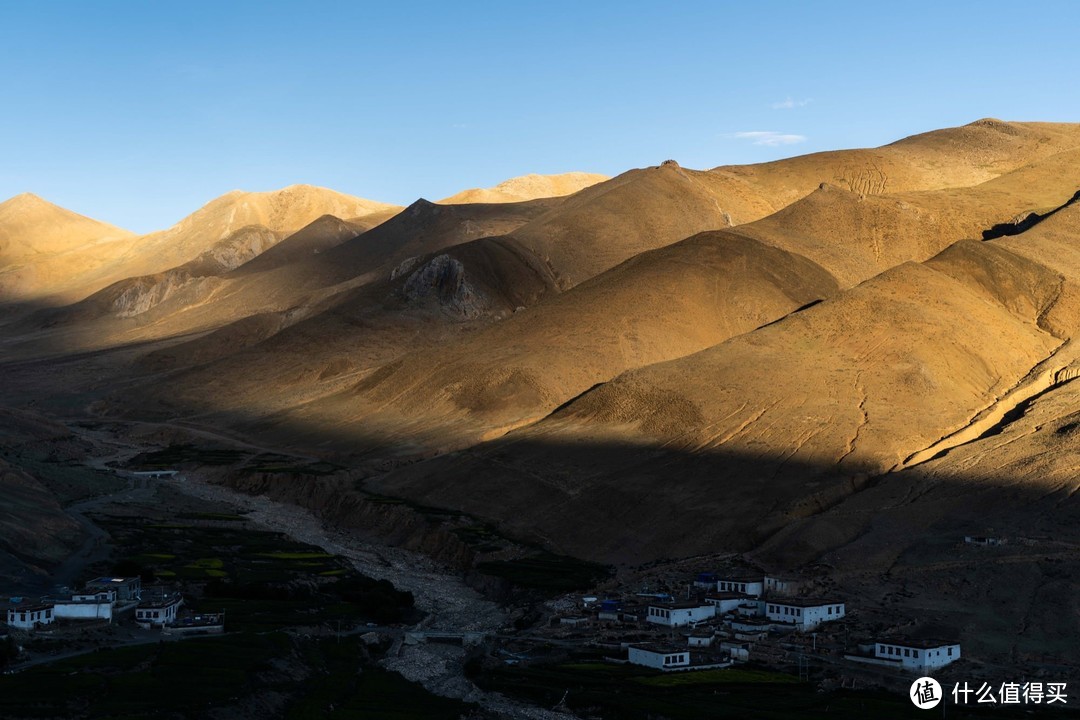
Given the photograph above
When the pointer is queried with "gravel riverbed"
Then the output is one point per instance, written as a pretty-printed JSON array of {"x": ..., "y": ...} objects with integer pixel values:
[{"x": 450, "y": 604}]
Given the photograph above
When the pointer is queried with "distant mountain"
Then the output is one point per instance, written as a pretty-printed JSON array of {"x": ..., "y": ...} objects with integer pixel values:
[
  {"x": 42, "y": 245},
  {"x": 54, "y": 256},
  {"x": 527, "y": 187}
]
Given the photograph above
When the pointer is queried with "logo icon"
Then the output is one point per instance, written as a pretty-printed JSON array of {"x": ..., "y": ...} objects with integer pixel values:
[{"x": 925, "y": 693}]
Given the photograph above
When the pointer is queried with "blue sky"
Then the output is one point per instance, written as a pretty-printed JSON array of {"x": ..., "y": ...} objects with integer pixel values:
[{"x": 137, "y": 113}]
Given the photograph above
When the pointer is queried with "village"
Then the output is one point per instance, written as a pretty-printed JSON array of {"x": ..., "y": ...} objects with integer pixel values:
[
  {"x": 724, "y": 619},
  {"x": 720, "y": 620},
  {"x": 105, "y": 604},
  {"x": 667, "y": 620}
]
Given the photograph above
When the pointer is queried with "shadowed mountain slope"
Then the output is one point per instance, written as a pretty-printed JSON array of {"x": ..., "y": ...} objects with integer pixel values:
[{"x": 851, "y": 386}]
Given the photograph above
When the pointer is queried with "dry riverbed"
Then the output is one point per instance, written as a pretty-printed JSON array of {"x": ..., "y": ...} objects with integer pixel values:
[{"x": 450, "y": 604}]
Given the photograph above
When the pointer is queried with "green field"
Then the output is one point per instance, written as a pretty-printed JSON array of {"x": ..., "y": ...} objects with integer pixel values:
[
  {"x": 262, "y": 580},
  {"x": 277, "y": 595},
  {"x": 187, "y": 679}
]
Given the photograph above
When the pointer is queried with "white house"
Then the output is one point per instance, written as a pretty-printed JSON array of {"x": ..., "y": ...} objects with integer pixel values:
[
  {"x": 700, "y": 640},
  {"x": 30, "y": 616},
  {"x": 661, "y": 657},
  {"x": 739, "y": 650},
  {"x": 780, "y": 585},
  {"x": 918, "y": 655},
  {"x": 158, "y": 612},
  {"x": 679, "y": 614},
  {"x": 705, "y": 581},
  {"x": 751, "y": 608},
  {"x": 741, "y": 624},
  {"x": 803, "y": 613},
  {"x": 726, "y": 602},
  {"x": 753, "y": 585},
  {"x": 126, "y": 588},
  {"x": 96, "y": 606},
  {"x": 197, "y": 624}
]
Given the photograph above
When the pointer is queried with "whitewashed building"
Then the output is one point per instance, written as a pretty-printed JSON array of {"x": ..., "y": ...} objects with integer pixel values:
[
  {"x": 86, "y": 606},
  {"x": 661, "y": 657},
  {"x": 25, "y": 616},
  {"x": 702, "y": 640},
  {"x": 752, "y": 585},
  {"x": 803, "y": 613},
  {"x": 751, "y": 608},
  {"x": 159, "y": 611},
  {"x": 738, "y": 650},
  {"x": 742, "y": 624},
  {"x": 126, "y": 589},
  {"x": 679, "y": 614},
  {"x": 726, "y": 602},
  {"x": 775, "y": 585},
  {"x": 917, "y": 655},
  {"x": 705, "y": 581}
]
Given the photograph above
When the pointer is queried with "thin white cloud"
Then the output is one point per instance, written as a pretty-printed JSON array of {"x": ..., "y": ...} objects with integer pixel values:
[
  {"x": 769, "y": 137},
  {"x": 791, "y": 104}
]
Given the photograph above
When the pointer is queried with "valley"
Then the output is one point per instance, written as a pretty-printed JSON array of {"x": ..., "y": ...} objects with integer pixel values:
[{"x": 852, "y": 368}]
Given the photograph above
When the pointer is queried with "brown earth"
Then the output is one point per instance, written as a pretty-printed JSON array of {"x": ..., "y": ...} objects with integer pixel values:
[{"x": 805, "y": 360}]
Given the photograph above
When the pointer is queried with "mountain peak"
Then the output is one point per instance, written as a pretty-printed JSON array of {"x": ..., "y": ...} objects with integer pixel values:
[{"x": 527, "y": 187}]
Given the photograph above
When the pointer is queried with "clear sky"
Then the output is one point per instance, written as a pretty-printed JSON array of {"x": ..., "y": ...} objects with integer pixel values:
[{"x": 138, "y": 113}]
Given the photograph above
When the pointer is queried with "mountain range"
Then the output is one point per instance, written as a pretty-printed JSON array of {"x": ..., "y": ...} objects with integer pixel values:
[{"x": 847, "y": 359}]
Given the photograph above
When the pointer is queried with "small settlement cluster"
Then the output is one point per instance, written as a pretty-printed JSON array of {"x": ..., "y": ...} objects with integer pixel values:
[
  {"x": 725, "y": 617},
  {"x": 113, "y": 599}
]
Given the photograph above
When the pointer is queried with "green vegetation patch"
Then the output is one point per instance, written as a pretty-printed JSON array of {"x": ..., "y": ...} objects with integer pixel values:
[
  {"x": 727, "y": 675},
  {"x": 282, "y": 555},
  {"x": 174, "y": 455},
  {"x": 628, "y": 692},
  {"x": 183, "y": 679}
]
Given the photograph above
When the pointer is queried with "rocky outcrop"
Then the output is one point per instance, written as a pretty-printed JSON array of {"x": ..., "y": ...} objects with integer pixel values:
[{"x": 442, "y": 279}]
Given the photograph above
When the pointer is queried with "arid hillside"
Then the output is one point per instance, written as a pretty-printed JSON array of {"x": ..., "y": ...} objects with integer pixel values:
[
  {"x": 848, "y": 358},
  {"x": 52, "y": 256},
  {"x": 527, "y": 187},
  {"x": 41, "y": 244}
]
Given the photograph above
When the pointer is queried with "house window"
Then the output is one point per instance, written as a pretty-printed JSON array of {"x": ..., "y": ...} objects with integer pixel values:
[
  {"x": 881, "y": 649},
  {"x": 915, "y": 654},
  {"x": 890, "y": 650},
  {"x": 950, "y": 652},
  {"x": 830, "y": 609},
  {"x": 907, "y": 653}
]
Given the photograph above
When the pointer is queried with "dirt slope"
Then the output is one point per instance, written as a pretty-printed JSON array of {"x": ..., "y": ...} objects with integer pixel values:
[{"x": 81, "y": 256}]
